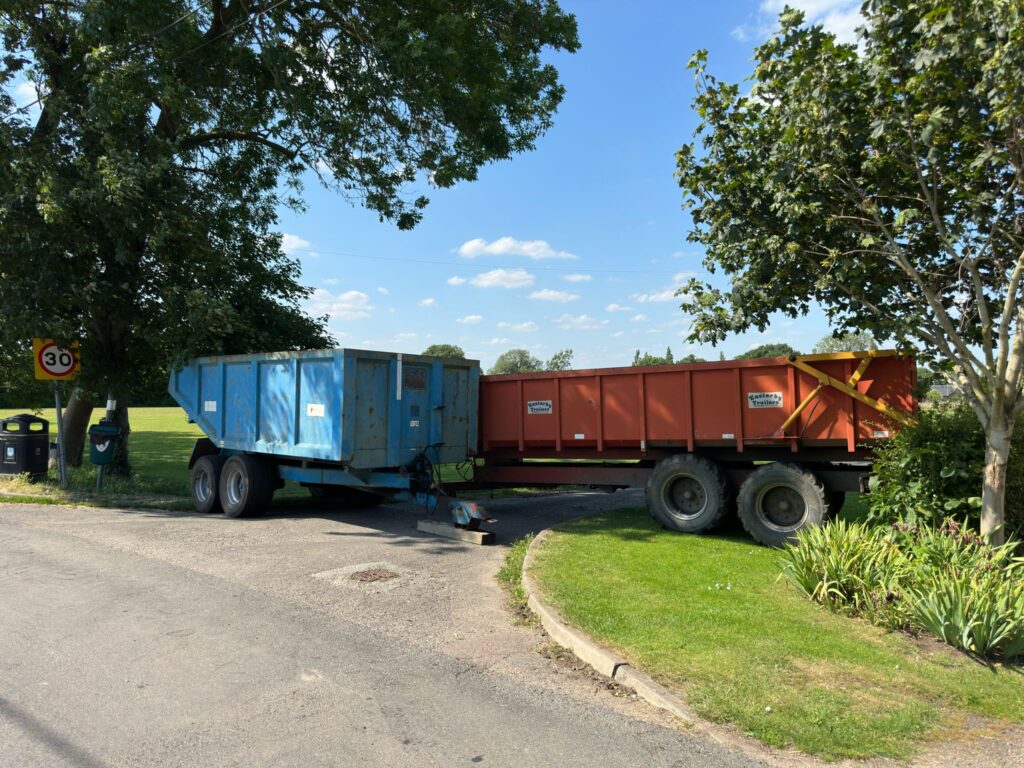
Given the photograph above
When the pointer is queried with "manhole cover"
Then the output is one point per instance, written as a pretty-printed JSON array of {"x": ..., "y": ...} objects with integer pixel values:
[{"x": 373, "y": 574}]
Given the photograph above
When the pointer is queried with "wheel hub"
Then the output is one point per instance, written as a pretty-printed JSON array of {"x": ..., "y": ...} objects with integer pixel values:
[
  {"x": 686, "y": 496},
  {"x": 782, "y": 506}
]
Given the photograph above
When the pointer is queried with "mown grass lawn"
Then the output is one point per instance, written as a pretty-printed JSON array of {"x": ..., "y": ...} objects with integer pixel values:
[
  {"x": 159, "y": 446},
  {"x": 710, "y": 617}
]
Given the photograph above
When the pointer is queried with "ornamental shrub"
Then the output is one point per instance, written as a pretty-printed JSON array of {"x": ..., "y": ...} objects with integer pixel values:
[
  {"x": 943, "y": 579},
  {"x": 930, "y": 469}
]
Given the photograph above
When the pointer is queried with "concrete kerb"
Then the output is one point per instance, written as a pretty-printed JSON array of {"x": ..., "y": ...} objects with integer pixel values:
[{"x": 601, "y": 659}]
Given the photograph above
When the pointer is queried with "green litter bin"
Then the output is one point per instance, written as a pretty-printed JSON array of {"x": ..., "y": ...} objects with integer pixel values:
[{"x": 102, "y": 439}]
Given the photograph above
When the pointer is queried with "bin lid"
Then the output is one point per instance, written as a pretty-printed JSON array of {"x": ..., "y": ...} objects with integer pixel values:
[
  {"x": 106, "y": 430},
  {"x": 23, "y": 423}
]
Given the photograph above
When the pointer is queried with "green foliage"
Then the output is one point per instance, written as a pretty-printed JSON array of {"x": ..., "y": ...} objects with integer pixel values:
[
  {"x": 511, "y": 572},
  {"x": 851, "y": 341},
  {"x": 768, "y": 350},
  {"x": 648, "y": 359},
  {"x": 945, "y": 580},
  {"x": 169, "y": 134},
  {"x": 519, "y": 360},
  {"x": 445, "y": 350},
  {"x": 516, "y": 360},
  {"x": 881, "y": 181},
  {"x": 930, "y": 469},
  {"x": 560, "y": 361}
]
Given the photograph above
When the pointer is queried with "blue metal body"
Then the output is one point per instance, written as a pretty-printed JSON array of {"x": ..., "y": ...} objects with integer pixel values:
[{"x": 367, "y": 413}]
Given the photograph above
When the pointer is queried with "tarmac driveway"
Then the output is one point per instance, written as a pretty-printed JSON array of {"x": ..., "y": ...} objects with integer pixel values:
[{"x": 139, "y": 638}]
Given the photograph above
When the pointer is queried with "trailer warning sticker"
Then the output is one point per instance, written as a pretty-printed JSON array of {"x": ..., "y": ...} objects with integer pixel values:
[
  {"x": 315, "y": 410},
  {"x": 210, "y": 406},
  {"x": 534, "y": 407},
  {"x": 764, "y": 399}
]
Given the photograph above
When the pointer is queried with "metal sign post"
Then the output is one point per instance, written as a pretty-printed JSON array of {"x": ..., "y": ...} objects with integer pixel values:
[
  {"x": 52, "y": 363},
  {"x": 62, "y": 463}
]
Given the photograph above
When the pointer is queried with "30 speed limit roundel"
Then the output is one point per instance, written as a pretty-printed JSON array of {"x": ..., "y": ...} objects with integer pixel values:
[{"x": 53, "y": 362}]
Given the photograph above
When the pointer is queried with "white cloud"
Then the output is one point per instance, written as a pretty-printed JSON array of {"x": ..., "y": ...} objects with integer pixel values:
[
  {"x": 503, "y": 278},
  {"x": 529, "y": 325},
  {"x": 331, "y": 281},
  {"x": 496, "y": 341},
  {"x": 345, "y": 306},
  {"x": 509, "y": 246},
  {"x": 667, "y": 295},
  {"x": 25, "y": 93},
  {"x": 841, "y": 17},
  {"x": 456, "y": 280},
  {"x": 580, "y": 322},
  {"x": 547, "y": 294},
  {"x": 291, "y": 243},
  {"x": 578, "y": 278},
  {"x": 428, "y": 302},
  {"x": 638, "y": 319},
  {"x": 618, "y": 334},
  {"x": 617, "y": 308},
  {"x": 470, "y": 319},
  {"x": 679, "y": 277},
  {"x": 383, "y": 291}
]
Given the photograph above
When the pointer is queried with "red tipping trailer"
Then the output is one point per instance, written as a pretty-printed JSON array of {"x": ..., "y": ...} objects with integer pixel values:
[{"x": 693, "y": 433}]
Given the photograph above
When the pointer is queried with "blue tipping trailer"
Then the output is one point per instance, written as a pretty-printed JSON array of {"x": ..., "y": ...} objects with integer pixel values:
[{"x": 352, "y": 423}]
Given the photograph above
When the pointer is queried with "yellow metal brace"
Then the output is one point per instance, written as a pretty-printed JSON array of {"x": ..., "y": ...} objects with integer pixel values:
[{"x": 847, "y": 387}]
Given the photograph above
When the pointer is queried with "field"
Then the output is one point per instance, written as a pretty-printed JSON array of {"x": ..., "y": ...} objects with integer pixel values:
[
  {"x": 159, "y": 447},
  {"x": 713, "y": 619}
]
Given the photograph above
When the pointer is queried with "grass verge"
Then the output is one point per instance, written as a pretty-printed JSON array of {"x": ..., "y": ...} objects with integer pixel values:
[
  {"x": 709, "y": 616},
  {"x": 159, "y": 447},
  {"x": 511, "y": 576}
]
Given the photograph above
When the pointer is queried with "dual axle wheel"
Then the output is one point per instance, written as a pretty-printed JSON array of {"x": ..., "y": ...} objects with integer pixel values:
[
  {"x": 690, "y": 494},
  {"x": 238, "y": 486}
]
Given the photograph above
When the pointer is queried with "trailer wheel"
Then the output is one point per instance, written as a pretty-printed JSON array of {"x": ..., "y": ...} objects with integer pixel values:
[
  {"x": 778, "y": 500},
  {"x": 246, "y": 486},
  {"x": 687, "y": 493},
  {"x": 206, "y": 483}
]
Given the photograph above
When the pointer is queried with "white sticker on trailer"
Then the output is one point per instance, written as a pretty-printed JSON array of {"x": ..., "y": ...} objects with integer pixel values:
[
  {"x": 315, "y": 409},
  {"x": 210, "y": 406},
  {"x": 535, "y": 407},
  {"x": 764, "y": 399}
]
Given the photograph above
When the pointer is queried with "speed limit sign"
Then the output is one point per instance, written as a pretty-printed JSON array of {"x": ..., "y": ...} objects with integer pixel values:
[{"x": 53, "y": 363}]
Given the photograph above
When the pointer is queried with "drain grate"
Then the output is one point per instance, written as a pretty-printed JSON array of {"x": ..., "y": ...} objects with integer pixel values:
[{"x": 373, "y": 574}]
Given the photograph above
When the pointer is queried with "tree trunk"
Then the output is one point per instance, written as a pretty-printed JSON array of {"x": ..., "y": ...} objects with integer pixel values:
[
  {"x": 993, "y": 492},
  {"x": 120, "y": 465},
  {"x": 76, "y": 421}
]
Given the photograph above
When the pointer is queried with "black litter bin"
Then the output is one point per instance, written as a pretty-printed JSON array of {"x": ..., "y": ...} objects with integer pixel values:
[{"x": 24, "y": 445}]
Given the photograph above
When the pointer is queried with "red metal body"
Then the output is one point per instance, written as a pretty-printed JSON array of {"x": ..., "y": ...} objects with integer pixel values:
[{"x": 732, "y": 409}]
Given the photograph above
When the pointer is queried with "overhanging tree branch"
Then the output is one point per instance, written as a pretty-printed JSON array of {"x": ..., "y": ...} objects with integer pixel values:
[{"x": 214, "y": 137}]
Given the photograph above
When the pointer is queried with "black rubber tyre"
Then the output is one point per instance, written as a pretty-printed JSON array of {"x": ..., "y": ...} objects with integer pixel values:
[
  {"x": 246, "y": 486},
  {"x": 206, "y": 483},
  {"x": 687, "y": 493},
  {"x": 778, "y": 500},
  {"x": 836, "y": 500},
  {"x": 350, "y": 498}
]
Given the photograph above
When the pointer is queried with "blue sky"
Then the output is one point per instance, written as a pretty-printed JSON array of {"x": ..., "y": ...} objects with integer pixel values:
[{"x": 580, "y": 243}]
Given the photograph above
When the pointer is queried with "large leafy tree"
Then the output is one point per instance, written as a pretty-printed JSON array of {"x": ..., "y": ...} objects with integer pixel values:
[
  {"x": 883, "y": 181},
  {"x": 772, "y": 349},
  {"x": 139, "y": 191}
]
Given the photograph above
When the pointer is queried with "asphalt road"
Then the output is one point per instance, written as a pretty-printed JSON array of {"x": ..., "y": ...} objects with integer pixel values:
[{"x": 131, "y": 638}]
